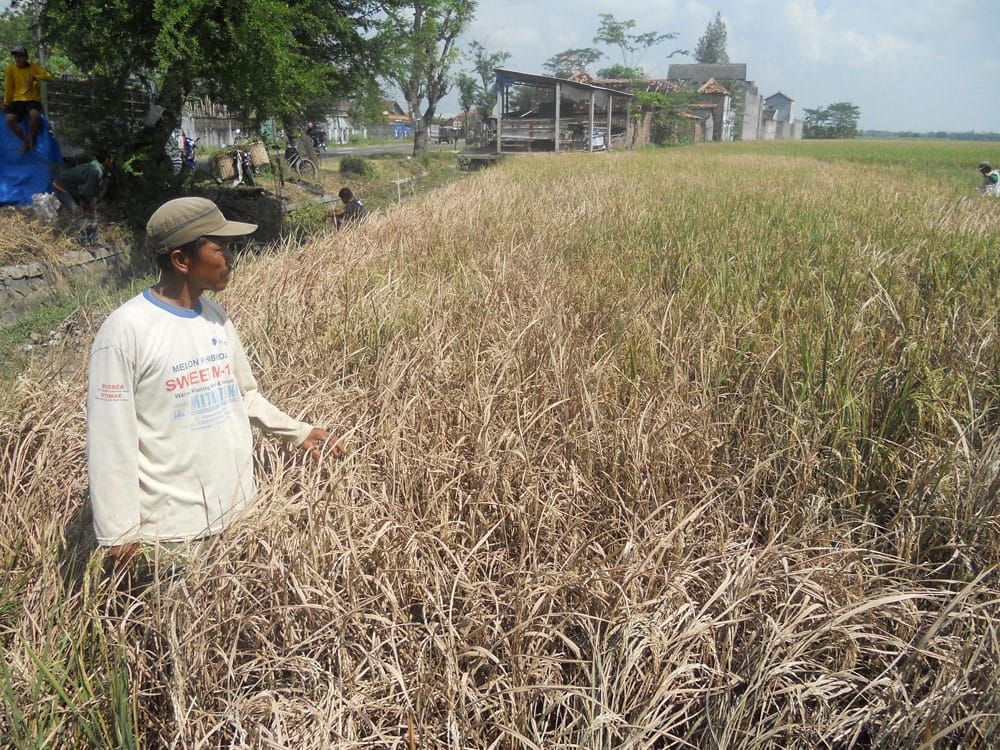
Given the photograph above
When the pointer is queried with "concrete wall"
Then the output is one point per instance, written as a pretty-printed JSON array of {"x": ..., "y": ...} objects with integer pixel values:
[
  {"x": 753, "y": 107},
  {"x": 29, "y": 285}
]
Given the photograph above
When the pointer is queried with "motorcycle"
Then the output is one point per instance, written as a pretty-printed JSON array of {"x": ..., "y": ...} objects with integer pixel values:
[{"x": 188, "y": 153}]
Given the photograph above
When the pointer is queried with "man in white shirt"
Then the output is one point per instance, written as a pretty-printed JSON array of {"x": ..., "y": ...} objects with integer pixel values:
[{"x": 171, "y": 396}]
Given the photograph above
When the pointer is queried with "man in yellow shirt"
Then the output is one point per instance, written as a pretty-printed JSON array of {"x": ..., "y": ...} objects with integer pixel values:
[{"x": 22, "y": 96}]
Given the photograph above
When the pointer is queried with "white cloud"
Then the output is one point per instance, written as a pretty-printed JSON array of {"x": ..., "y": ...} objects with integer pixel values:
[
  {"x": 811, "y": 29},
  {"x": 880, "y": 48}
]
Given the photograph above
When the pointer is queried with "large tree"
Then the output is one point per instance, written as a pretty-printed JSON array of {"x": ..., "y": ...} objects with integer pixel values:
[
  {"x": 423, "y": 35},
  {"x": 838, "y": 120},
  {"x": 483, "y": 63},
  {"x": 619, "y": 34},
  {"x": 261, "y": 58},
  {"x": 570, "y": 61},
  {"x": 711, "y": 47},
  {"x": 468, "y": 89}
]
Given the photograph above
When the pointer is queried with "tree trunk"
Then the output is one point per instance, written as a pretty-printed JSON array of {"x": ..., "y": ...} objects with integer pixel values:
[{"x": 421, "y": 140}]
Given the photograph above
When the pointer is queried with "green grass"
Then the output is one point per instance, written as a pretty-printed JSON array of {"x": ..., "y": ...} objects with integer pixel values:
[{"x": 948, "y": 162}]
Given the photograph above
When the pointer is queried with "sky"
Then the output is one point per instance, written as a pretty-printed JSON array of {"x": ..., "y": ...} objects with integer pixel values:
[{"x": 921, "y": 65}]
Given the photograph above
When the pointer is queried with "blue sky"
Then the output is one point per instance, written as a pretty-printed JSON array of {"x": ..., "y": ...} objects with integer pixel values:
[{"x": 908, "y": 64}]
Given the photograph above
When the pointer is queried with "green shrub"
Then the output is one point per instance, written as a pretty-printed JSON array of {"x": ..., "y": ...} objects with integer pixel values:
[{"x": 356, "y": 165}]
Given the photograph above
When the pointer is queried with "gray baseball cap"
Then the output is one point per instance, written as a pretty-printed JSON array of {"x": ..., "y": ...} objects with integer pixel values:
[{"x": 183, "y": 220}]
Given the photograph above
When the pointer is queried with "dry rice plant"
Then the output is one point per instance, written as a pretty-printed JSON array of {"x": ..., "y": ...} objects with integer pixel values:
[
  {"x": 24, "y": 238},
  {"x": 690, "y": 449}
]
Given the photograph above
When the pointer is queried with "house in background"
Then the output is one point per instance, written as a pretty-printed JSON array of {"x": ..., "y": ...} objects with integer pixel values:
[
  {"x": 339, "y": 126},
  {"x": 781, "y": 109},
  {"x": 745, "y": 101},
  {"x": 754, "y": 118},
  {"x": 716, "y": 98}
]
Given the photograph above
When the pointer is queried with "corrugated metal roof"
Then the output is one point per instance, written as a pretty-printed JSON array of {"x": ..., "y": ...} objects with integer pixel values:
[{"x": 515, "y": 76}]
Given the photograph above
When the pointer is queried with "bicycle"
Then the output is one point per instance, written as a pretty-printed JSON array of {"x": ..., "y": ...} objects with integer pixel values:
[{"x": 303, "y": 166}]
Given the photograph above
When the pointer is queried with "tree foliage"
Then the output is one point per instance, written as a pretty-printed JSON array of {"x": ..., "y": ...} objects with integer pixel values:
[
  {"x": 261, "y": 58},
  {"x": 468, "y": 89},
  {"x": 711, "y": 47},
  {"x": 483, "y": 63},
  {"x": 838, "y": 120},
  {"x": 571, "y": 61},
  {"x": 19, "y": 26},
  {"x": 619, "y": 71},
  {"x": 423, "y": 35},
  {"x": 668, "y": 125},
  {"x": 615, "y": 33}
]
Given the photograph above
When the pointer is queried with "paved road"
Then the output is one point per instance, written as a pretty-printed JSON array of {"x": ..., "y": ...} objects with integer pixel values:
[{"x": 389, "y": 148}]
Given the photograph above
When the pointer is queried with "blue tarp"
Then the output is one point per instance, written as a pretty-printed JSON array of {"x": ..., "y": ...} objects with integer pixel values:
[{"x": 23, "y": 175}]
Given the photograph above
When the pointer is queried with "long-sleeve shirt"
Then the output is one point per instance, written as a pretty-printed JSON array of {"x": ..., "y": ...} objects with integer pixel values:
[
  {"x": 15, "y": 83},
  {"x": 170, "y": 401},
  {"x": 83, "y": 181}
]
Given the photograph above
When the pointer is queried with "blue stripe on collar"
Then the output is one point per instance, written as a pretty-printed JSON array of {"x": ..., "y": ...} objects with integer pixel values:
[{"x": 180, "y": 312}]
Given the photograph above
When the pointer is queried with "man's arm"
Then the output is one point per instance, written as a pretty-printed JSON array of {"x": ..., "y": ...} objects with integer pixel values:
[
  {"x": 8, "y": 86},
  {"x": 40, "y": 73},
  {"x": 112, "y": 446}
]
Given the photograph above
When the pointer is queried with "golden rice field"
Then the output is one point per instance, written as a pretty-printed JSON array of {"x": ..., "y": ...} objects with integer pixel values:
[{"x": 694, "y": 448}]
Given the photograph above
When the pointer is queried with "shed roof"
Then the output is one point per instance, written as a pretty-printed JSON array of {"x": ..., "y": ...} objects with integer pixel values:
[
  {"x": 713, "y": 87},
  {"x": 504, "y": 75},
  {"x": 779, "y": 95},
  {"x": 700, "y": 73}
]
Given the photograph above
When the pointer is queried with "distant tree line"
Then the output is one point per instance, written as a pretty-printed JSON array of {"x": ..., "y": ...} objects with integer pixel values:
[
  {"x": 968, "y": 135},
  {"x": 838, "y": 120}
]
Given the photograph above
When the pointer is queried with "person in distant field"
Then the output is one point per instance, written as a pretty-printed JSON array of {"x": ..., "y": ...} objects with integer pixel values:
[
  {"x": 991, "y": 179},
  {"x": 171, "y": 398},
  {"x": 22, "y": 97},
  {"x": 353, "y": 210}
]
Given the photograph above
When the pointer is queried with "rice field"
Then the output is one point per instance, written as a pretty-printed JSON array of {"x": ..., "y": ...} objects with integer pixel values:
[{"x": 661, "y": 449}]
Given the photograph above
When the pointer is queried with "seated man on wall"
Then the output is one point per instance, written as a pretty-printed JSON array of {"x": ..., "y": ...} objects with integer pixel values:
[{"x": 22, "y": 97}]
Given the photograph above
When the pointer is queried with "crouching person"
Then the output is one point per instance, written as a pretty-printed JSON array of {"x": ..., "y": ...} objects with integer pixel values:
[
  {"x": 171, "y": 397},
  {"x": 79, "y": 187}
]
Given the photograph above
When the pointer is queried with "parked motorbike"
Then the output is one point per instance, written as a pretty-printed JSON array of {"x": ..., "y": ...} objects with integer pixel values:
[{"x": 188, "y": 154}]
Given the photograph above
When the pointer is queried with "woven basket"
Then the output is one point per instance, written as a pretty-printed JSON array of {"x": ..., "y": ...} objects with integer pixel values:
[
  {"x": 222, "y": 165},
  {"x": 258, "y": 154}
]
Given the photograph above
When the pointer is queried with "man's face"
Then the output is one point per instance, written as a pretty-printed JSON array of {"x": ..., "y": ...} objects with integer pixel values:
[
  {"x": 211, "y": 265},
  {"x": 21, "y": 60}
]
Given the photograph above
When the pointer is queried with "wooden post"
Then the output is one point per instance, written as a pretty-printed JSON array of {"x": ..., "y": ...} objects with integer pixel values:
[
  {"x": 500, "y": 107},
  {"x": 629, "y": 125},
  {"x": 558, "y": 100},
  {"x": 607, "y": 142},
  {"x": 590, "y": 139}
]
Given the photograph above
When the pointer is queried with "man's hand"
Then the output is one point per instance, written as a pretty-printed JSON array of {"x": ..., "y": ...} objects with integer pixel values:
[
  {"x": 318, "y": 440},
  {"x": 123, "y": 554}
]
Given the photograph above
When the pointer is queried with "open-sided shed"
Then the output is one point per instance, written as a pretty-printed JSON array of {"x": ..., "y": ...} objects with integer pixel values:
[{"x": 546, "y": 113}]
